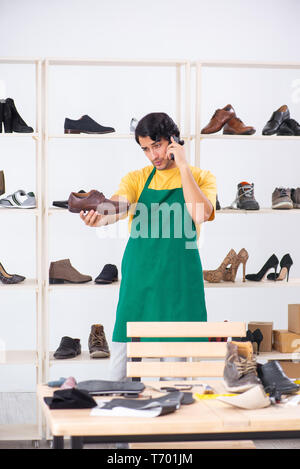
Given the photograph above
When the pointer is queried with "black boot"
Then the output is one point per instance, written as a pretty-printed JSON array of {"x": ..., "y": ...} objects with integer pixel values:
[{"x": 13, "y": 122}]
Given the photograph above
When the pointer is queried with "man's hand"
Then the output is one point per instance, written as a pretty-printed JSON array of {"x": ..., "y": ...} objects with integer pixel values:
[
  {"x": 93, "y": 218},
  {"x": 179, "y": 153}
]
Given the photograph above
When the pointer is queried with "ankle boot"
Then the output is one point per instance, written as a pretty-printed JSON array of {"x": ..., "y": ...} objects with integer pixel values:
[
  {"x": 240, "y": 367},
  {"x": 13, "y": 121},
  {"x": 215, "y": 276},
  {"x": 98, "y": 346},
  {"x": 2, "y": 183}
]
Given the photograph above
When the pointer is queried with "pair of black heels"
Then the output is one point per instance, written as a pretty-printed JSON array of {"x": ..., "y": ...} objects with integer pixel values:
[
  {"x": 254, "y": 337},
  {"x": 272, "y": 263},
  {"x": 11, "y": 119}
]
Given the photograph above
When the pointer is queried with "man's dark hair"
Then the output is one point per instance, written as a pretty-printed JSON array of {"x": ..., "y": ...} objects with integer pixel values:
[{"x": 157, "y": 125}]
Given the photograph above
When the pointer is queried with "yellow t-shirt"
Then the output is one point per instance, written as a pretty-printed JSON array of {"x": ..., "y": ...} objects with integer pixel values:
[{"x": 133, "y": 183}]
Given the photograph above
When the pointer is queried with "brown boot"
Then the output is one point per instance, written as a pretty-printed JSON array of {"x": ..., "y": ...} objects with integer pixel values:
[
  {"x": 236, "y": 127},
  {"x": 98, "y": 346},
  {"x": 63, "y": 272},
  {"x": 240, "y": 373},
  {"x": 2, "y": 183},
  {"x": 220, "y": 117}
]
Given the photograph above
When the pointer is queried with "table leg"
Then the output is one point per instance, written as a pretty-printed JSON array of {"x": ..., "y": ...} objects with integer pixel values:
[
  {"x": 58, "y": 442},
  {"x": 76, "y": 442}
]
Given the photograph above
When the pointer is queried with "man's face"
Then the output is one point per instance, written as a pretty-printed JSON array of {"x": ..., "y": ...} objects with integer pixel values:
[{"x": 156, "y": 152}]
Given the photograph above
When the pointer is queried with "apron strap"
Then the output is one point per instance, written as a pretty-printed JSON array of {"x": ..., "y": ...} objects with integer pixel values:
[{"x": 150, "y": 177}]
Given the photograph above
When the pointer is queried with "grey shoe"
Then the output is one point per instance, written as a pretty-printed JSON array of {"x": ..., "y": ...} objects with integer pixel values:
[
  {"x": 19, "y": 199},
  {"x": 281, "y": 198},
  {"x": 245, "y": 199},
  {"x": 295, "y": 196},
  {"x": 240, "y": 368}
]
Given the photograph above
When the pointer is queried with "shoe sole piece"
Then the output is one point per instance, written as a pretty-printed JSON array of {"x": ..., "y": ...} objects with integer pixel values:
[
  {"x": 283, "y": 205},
  {"x": 70, "y": 131},
  {"x": 99, "y": 354},
  {"x": 248, "y": 132},
  {"x": 53, "y": 281},
  {"x": 241, "y": 388}
]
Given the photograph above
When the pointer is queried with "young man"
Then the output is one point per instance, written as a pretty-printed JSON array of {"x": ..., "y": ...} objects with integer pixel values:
[{"x": 161, "y": 270}]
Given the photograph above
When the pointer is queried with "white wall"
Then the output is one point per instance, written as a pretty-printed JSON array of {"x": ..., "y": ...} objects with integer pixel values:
[{"x": 214, "y": 30}]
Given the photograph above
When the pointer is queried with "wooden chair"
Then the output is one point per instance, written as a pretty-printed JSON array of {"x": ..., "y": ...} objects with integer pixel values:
[{"x": 207, "y": 362}]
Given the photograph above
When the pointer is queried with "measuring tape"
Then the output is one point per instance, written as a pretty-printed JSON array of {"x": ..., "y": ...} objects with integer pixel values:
[{"x": 200, "y": 397}]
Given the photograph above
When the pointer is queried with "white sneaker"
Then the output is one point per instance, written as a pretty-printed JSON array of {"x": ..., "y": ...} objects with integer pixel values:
[{"x": 19, "y": 199}]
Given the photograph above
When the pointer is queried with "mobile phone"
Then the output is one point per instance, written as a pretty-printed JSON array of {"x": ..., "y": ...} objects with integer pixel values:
[{"x": 177, "y": 141}]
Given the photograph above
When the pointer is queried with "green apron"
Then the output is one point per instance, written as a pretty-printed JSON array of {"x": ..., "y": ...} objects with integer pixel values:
[{"x": 162, "y": 280}]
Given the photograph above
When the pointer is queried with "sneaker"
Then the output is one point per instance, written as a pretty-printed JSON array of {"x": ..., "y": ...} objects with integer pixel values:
[
  {"x": 68, "y": 348},
  {"x": 245, "y": 199},
  {"x": 98, "y": 346},
  {"x": 281, "y": 198},
  {"x": 295, "y": 196},
  {"x": 240, "y": 367},
  {"x": 19, "y": 199}
]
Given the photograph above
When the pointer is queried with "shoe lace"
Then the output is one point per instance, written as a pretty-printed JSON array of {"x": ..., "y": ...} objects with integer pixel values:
[
  {"x": 282, "y": 192},
  {"x": 245, "y": 365},
  {"x": 97, "y": 339}
]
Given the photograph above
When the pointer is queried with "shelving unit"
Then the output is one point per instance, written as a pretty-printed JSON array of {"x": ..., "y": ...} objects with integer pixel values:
[
  {"x": 28, "y": 357},
  {"x": 182, "y": 70}
]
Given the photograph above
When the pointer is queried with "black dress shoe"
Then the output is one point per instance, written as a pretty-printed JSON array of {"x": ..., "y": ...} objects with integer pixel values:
[
  {"x": 289, "y": 127},
  {"x": 68, "y": 348},
  {"x": 64, "y": 203},
  {"x": 276, "y": 120},
  {"x": 108, "y": 274},
  {"x": 85, "y": 125},
  {"x": 272, "y": 376},
  {"x": 13, "y": 122}
]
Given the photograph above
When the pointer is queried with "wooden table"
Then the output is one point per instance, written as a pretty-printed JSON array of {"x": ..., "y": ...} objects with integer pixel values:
[{"x": 201, "y": 421}]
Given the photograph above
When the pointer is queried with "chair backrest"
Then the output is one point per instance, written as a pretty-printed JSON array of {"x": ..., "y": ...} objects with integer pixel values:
[{"x": 207, "y": 357}]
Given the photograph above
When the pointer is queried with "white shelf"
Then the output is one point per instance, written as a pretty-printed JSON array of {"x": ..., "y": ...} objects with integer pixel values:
[
  {"x": 18, "y": 357},
  {"x": 262, "y": 211},
  {"x": 248, "y": 137},
  {"x": 111, "y": 135},
  {"x": 13, "y": 135},
  {"x": 27, "y": 284},
  {"x": 32, "y": 211},
  {"x": 84, "y": 357},
  {"x": 293, "y": 282},
  {"x": 79, "y": 286},
  {"x": 275, "y": 355},
  {"x": 116, "y": 62}
]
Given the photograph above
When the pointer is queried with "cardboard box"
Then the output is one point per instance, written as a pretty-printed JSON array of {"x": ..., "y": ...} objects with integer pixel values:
[
  {"x": 294, "y": 318},
  {"x": 286, "y": 341},
  {"x": 290, "y": 368},
  {"x": 266, "y": 330}
]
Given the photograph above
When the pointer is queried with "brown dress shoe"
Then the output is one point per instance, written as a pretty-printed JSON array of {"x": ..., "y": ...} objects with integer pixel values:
[
  {"x": 236, "y": 127},
  {"x": 63, "y": 272},
  {"x": 2, "y": 183},
  {"x": 95, "y": 200},
  {"x": 220, "y": 117},
  {"x": 98, "y": 346}
]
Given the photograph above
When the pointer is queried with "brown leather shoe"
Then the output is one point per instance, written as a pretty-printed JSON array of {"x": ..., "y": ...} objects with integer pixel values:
[
  {"x": 63, "y": 272},
  {"x": 236, "y": 127},
  {"x": 95, "y": 200},
  {"x": 2, "y": 183},
  {"x": 220, "y": 117},
  {"x": 98, "y": 346}
]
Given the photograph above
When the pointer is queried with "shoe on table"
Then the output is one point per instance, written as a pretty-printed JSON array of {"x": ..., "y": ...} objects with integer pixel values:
[
  {"x": 98, "y": 346},
  {"x": 68, "y": 348},
  {"x": 240, "y": 367},
  {"x": 295, "y": 196},
  {"x": 272, "y": 376},
  {"x": 275, "y": 121},
  {"x": 281, "y": 198},
  {"x": 108, "y": 274},
  {"x": 85, "y": 125},
  {"x": 235, "y": 126},
  {"x": 19, "y": 199},
  {"x": 220, "y": 117},
  {"x": 63, "y": 272}
]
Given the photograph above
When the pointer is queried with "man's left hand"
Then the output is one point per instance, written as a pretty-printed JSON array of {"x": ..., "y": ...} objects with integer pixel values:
[{"x": 179, "y": 153}]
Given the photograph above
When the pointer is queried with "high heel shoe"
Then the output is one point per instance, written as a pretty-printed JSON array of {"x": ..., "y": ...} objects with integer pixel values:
[
  {"x": 272, "y": 262},
  {"x": 8, "y": 279},
  {"x": 230, "y": 272},
  {"x": 257, "y": 338},
  {"x": 285, "y": 265},
  {"x": 216, "y": 276}
]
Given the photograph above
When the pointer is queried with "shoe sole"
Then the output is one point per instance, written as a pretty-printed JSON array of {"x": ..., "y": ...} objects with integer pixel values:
[
  {"x": 99, "y": 354},
  {"x": 248, "y": 132},
  {"x": 68, "y": 131},
  {"x": 296, "y": 205},
  {"x": 242, "y": 388},
  {"x": 283, "y": 205},
  {"x": 55, "y": 281},
  {"x": 106, "y": 282}
]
